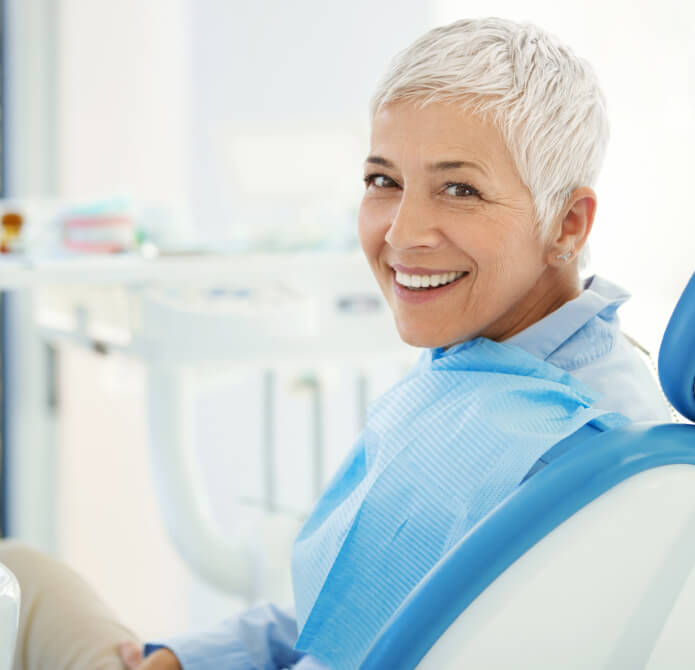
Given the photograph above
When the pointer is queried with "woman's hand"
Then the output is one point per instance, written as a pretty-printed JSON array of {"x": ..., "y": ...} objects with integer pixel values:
[{"x": 162, "y": 659}]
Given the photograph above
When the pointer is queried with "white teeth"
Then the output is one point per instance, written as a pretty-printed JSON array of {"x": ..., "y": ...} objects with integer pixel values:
[{"x": 427, "y": 281}]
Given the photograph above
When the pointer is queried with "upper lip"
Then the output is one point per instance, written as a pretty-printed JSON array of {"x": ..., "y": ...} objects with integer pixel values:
[{"x": 422, "y": 271}]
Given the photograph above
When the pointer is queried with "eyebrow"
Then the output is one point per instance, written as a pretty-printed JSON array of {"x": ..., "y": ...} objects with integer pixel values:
[{"x": 432, "y": 167}]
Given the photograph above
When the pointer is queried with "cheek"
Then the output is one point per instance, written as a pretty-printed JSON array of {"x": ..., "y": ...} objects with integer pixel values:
[
  {"x": 504, "y": 246},
  {"x": 505, "y": 265},
  {"x": 514, "y": 264},
  {"x": 480, "y": 243}
]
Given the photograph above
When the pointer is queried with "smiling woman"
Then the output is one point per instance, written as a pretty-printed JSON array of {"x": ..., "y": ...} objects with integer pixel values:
[
  {"x": 487, "y": 137},
  {"x": 434, "y": 218}
]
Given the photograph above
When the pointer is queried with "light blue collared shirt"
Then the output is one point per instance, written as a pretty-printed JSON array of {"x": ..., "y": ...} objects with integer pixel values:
[{"x": 583, "y": 338}]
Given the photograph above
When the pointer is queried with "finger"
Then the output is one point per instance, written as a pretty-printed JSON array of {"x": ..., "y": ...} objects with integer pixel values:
[{"x": 131, "y": 655}]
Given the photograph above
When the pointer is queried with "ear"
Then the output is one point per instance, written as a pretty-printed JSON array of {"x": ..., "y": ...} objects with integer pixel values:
[{"x": 575, "y": 226}]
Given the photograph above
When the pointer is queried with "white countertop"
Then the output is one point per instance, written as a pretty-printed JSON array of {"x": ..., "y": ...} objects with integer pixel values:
[{"x": 25, "y": 271}]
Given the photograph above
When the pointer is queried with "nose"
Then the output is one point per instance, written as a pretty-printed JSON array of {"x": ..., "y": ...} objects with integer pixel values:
[{"x": 413, "y": 225}]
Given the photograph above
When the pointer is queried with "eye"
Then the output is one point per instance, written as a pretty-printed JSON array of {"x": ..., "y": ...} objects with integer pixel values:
[
  {"x": 379, "y": 181},
  {"x": 461, "y": 190}
]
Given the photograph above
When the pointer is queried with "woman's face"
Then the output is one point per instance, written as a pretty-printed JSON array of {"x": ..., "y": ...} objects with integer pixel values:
[{"x": 448, "y": 228}]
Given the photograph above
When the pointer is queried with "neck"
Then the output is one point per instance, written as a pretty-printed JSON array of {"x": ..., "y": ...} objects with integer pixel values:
[{"x": 554, "y": 288}]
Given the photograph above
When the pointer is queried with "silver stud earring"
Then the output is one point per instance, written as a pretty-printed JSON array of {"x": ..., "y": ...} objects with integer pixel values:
[{"x": 565, "y": 257}]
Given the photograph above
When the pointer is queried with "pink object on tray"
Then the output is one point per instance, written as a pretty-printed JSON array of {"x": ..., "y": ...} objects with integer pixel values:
[{"x": 99, "y": 233}]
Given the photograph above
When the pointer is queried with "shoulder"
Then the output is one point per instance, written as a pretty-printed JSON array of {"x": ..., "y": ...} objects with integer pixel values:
[
  {"x": 583, "y": 338},
  {"x": 599, "y": 355},
  {"x": 624, "y": 381}
]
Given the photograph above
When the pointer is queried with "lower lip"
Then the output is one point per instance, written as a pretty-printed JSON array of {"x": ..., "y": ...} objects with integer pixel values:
[{"x": 420, "y": 296}]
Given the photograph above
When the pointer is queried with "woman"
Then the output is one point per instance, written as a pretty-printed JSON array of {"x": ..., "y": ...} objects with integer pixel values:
[{"x": 487, "y": 137}]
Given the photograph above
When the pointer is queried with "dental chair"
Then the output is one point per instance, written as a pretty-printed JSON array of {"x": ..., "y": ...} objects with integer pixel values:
[
  {"x": 590, "y": 563},
  {"x": 9, "y": 616}
]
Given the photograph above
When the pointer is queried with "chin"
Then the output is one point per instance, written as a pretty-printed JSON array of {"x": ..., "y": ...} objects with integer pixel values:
[{"x": 416, "y": 337}]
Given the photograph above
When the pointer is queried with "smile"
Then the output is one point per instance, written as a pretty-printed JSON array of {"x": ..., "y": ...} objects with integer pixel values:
[{"x": 423, "y": 282}]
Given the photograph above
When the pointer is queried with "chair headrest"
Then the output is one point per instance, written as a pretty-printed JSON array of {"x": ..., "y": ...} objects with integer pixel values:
[{"x": 677, "y": 354}]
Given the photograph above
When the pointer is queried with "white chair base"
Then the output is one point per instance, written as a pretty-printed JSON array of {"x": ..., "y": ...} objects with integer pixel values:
[{"x": 9, "y": 616}]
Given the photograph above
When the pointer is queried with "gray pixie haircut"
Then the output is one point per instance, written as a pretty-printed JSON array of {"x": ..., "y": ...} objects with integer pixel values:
[{"x": 545, "y": 101}]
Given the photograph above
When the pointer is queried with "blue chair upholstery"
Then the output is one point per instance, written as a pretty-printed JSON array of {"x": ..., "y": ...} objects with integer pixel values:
[
  {"x": 677, "y": 354},
  {"x": 546, "y": 500}
]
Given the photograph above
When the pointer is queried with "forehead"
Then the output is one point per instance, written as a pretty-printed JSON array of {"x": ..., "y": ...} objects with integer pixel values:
[{"x": 405, "y": 131}]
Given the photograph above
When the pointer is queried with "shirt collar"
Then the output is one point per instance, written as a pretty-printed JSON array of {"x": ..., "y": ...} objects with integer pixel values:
[{"x": 599, "y": 298}]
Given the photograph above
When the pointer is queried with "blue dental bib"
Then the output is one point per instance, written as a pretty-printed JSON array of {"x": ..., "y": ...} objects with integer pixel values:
[{"x": 439, "y": 451}]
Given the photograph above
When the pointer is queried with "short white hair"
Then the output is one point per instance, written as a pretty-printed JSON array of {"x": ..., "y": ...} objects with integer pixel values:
[{"x": 546, "y": 102}]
